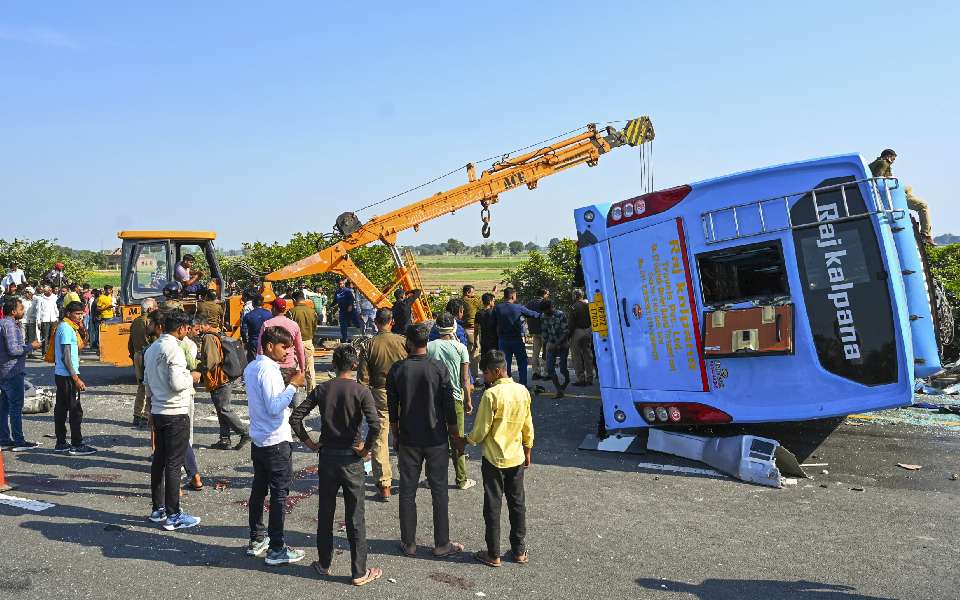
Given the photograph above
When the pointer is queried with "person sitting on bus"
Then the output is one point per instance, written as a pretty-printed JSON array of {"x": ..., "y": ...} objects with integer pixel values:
[
  {"x": 187, "y": 276},
  {"x": 883, "y": 167}
]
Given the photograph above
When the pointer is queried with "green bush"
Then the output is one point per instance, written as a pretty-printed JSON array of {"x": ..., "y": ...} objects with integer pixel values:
[
  {"x": 36, "y": 257},
  {"x": 945, "y": 263},
  {"x": 259, "y": 259},
  {"x": 553, "y": 271}
]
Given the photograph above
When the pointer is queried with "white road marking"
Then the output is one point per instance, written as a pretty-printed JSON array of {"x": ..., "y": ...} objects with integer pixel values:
[{"x": 34, "y": 505}]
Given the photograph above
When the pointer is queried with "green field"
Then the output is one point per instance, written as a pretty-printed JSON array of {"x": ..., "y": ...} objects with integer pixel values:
[
  {"x": 452, "y": 272},
  {"x": 446, "y": 271},
  {"x": 101, "y": 278}
]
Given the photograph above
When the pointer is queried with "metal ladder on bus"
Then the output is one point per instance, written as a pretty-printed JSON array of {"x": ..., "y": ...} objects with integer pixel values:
[{"x": 750, "y": 219}]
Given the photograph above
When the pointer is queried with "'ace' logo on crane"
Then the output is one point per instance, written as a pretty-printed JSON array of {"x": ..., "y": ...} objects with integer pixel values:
[{"x": 513, "y": 181}]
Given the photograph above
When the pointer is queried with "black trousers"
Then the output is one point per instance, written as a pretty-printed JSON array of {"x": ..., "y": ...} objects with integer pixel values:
[
  {"x": 229, "y": 420},
  {"x": 496, "y": 484},
  {"x": 339, "y": 470},
  {"x": 67, "y": 404},
  {"x": 410, "y": 460},
  {"x": 273, "y": 471},
  {"x": 172, "y": 438}
]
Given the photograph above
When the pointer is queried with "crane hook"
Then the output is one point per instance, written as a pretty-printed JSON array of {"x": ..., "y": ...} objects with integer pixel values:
[{"x": 485, "y": 217}]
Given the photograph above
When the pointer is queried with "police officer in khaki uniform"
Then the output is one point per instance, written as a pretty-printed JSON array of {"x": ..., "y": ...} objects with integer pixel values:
[{"x": 382, "y": 351}]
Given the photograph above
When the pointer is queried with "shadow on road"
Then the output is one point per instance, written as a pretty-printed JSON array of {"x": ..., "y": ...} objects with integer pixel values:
[
  {"x": 740, "y": 589},
  {"x": 126, "y": 537}
]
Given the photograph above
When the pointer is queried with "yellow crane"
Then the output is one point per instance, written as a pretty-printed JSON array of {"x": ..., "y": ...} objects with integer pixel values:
[{"x": 510, "y": 173}]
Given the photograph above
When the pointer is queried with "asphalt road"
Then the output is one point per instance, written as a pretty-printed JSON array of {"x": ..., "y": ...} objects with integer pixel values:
[{"x": 599, "y": 527}]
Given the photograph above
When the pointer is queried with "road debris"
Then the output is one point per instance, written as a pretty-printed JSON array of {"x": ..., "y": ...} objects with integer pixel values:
[
  {"x": 747, "y": 457},
  {"x": 954, "y": 477},
  {"x": 909, "y": 467},
  {"x": 856, "y": 489}
]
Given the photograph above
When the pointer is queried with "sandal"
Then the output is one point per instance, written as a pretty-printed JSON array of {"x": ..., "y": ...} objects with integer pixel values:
[
  {"x": 372, "y": 575},
  {"x": 406, "y": 551},
  {"x": 484, "y": 557},
  {"x": 521, "y": 559},
  {"x": 320, "y": 570},
  {"x": 450, "y": 548}
]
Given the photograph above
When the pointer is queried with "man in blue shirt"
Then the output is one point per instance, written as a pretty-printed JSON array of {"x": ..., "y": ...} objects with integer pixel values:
[
  {"x": 13, "y": 355},
  {"x": 346, "y": 301},
  {"x": 510, "y": 331},
  {"x": 251, "y": 325},
  {"x": 69, "y": 385}
]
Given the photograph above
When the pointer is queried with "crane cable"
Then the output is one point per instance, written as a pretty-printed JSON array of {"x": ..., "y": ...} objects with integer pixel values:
[
  {"x": 645, "y": 167},
  {"x": 501, "y": 157}
]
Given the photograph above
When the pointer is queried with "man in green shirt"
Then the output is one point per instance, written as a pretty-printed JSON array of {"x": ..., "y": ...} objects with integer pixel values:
[
  {"x": 882, "y": 166},
  {"x": 209, "y": 311},
  {"x": 454, "y": 356},
  {"x": 380, "y": 354},
  {"x": 304, "y": 314},
  {"x": 471, "y": 306},
  {"x": 141, "y": 336}
]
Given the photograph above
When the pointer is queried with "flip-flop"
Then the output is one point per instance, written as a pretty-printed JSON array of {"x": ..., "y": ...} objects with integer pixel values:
[
  {"x": 406, "y": 552},
  {"x": 320, "y": 570},
  {"x": 452, "y": 548},
  {"x": 521, "y": 559},
  {"x": 484, "y": 557},
  {"x": 372, "y": 575}
]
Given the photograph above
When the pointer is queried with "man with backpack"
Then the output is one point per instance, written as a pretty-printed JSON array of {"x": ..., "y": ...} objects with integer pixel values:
[{"x": 222, "y": 361}]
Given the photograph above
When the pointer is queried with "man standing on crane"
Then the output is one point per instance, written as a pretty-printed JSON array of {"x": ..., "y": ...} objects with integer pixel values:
[{"x": 346, "y": 301}]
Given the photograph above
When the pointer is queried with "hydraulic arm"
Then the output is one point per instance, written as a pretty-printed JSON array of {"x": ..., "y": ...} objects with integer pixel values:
[{"x": 503, "y": 176}]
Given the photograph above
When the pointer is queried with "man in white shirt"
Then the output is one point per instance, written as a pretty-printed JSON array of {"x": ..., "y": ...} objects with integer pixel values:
[
  {"x": 15, "y": 276},
  {"x": 47, "y": 315},
  {"x": 268, "y": 401},
  {"x": 29, "y": 323},
  {"x": 170, "y": 383}
]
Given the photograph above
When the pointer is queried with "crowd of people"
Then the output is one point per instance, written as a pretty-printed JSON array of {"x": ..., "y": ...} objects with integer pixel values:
[{"x": 409, "y": 386}]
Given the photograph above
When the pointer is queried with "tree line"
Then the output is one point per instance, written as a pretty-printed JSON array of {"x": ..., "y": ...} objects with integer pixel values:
[{"x": 457, "y": 247}]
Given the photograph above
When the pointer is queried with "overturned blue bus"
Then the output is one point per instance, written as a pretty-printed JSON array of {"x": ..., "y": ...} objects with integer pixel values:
[{"x": 787, "y": 293}]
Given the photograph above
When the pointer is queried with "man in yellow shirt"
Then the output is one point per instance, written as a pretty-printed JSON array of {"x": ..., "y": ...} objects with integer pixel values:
[
  {"x": 73, "y": 295},
  {"x": 503, "y": 428},
  {"x": 104, "y": 307}
]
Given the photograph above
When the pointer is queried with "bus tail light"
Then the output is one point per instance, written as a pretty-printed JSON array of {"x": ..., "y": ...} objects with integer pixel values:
[{"x": 683, "y": 413}]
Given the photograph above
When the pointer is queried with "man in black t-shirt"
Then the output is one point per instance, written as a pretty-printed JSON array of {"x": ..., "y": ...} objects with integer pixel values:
[
  {"x": 422, "y": 414},
  {"x": 402, "y": 309},
  {"x": 344, "y": 405}
]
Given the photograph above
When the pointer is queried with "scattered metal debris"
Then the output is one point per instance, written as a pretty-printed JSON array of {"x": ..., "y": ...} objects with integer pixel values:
[{"x": 747, "y": 457}]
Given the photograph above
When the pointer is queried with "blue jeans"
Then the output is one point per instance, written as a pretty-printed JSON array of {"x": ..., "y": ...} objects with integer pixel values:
[
  {"x": 553, "y": 354},
  {"x": 11, "y": 409},
  {"x": 346, "y": 320},
  {"x": 94, "y": 333},
  {"x": 515, "y": 348}
]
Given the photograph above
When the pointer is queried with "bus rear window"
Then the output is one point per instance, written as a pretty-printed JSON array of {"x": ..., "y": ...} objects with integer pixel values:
[{"x": 742, "y": 273}]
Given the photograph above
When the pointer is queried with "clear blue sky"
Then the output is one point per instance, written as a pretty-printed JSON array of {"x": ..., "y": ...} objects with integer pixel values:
[{"x": 261, "y": 119}]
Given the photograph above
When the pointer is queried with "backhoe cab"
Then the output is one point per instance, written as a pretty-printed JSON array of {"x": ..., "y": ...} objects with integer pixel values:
[{"x": 148, "y": 262}]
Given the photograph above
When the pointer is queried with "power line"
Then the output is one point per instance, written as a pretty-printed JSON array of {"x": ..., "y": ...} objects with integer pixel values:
[{"x": 503, "y": 156}]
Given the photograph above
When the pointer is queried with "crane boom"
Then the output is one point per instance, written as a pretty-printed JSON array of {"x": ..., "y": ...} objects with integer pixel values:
[{"x": 527, "y": 169}]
